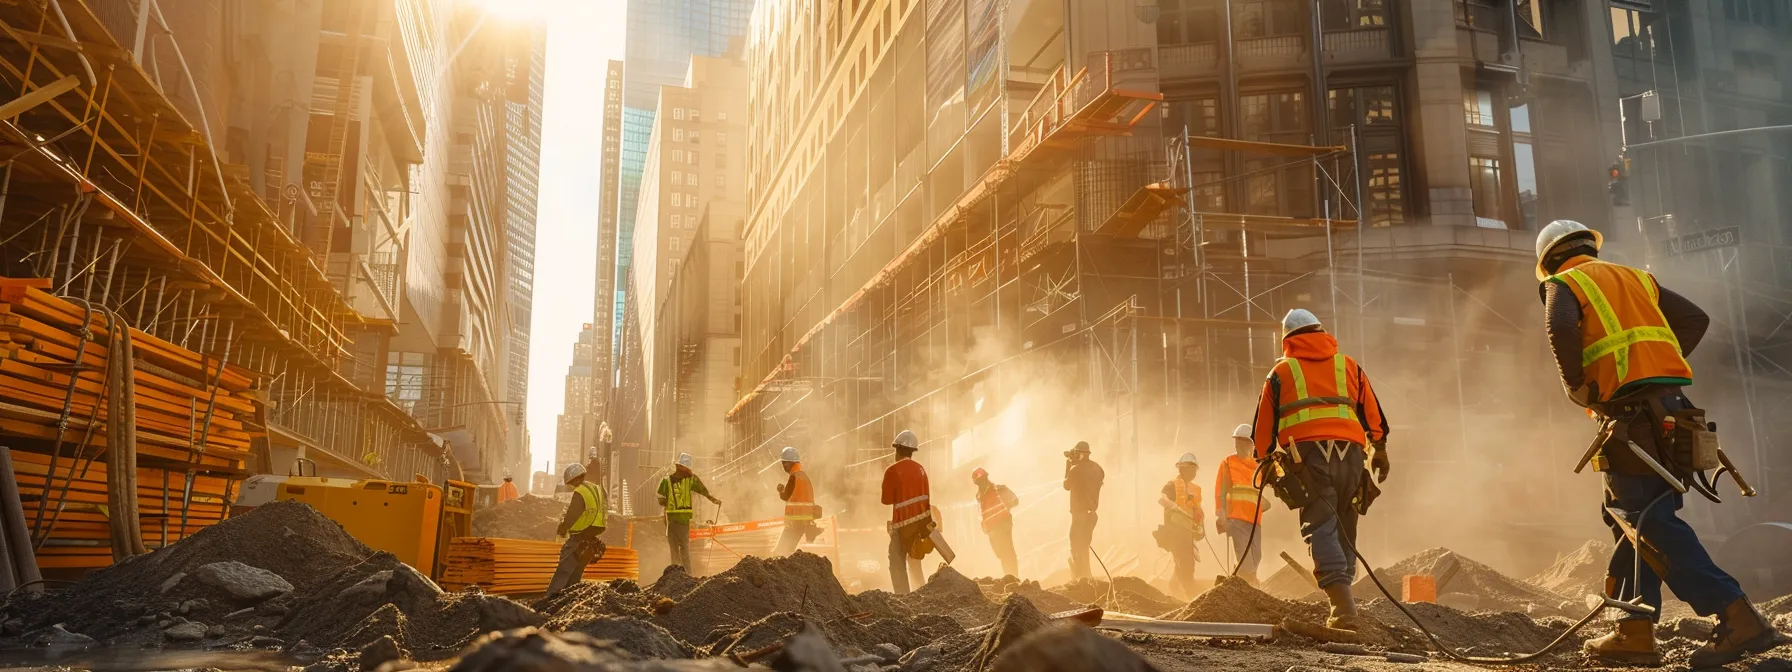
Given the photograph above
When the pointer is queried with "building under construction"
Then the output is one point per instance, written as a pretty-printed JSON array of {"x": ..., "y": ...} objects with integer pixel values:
[{"x": 956, "y": 201}]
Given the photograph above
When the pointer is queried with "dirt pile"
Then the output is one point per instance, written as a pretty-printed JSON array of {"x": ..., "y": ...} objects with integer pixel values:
[
  {"x": 213, "y": 587},
  {"x": 976, "y": 650},
  {"x": 1578, "y": 573},
  {"x": 1482, "y": 633},
  {"x": 1289, "y": 583},
  {"x": 1047, "y": 601},
  {"x": 950, "y": 593},
  {"x": 1494, "y": 591},
  {"x": 1130, "y": 595},
  {"x": 526, "y": 517},
  {"x": 1231, "y": 600},
  {"x": 382, "y": 597},
  {"x": 535, "y": 650}
]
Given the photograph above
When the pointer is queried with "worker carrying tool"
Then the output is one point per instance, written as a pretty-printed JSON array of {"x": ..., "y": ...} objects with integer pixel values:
[
  {"x": 998, "y": 502},
  {"x": 675, "y": 496},
  {"x": 1238, "y": 504},
  {"x": 1620, "y": 341},
  {"x": 1082, "y": 477},
  {"x": 800, "y": 509},
  {"x": 1320, "y": 422},
  {"x": 579, "y": 527},
  {"x": 911, "y": 516},
  {"x": 506, "y": 491},
  {"x": 1182, "y": 525}
]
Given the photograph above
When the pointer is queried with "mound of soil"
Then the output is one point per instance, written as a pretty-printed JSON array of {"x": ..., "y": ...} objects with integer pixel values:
[
  {"x": 1289, "y": 584},
  {"x": 950, "y": 593},
  {"x": 1047, "y": 601},
  {"x": 384, "y": 597},
  {"x": 1577, "y": 574},
  {"x": 526, "y": 517},
  {"x": 1231, "y": 600},
  {"x": 582, "y": 602},
  {"x": 753, "y": 589},
  {"x": 135, "y": 601},
  {"x": 1496, "y": 591},
  {"x": 1130, "y": 595}
]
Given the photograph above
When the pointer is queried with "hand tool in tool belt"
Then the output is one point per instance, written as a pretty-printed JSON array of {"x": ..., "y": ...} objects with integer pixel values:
[
  {"x": 592, "y": 549},
  {"x": 1289, "y": 478}
]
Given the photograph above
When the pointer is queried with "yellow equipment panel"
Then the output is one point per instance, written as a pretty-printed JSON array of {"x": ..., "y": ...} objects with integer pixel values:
[{"x": 401, "y": 518}]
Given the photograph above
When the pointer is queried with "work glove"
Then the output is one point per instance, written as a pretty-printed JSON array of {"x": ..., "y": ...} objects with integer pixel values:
[{"x": 1378, "y": 461}]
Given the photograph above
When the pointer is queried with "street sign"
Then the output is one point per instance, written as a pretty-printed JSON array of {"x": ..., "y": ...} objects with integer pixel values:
[{"x": 1729, "y": 236}]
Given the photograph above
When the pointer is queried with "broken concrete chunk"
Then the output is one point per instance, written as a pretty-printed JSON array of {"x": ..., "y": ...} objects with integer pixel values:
[
  {"x": 172, "y": 581},
  {"x": 58, "y": 637},
  {"x": 185, "y": 631},
  {"x": 374, "y": 584},
  {"x": 889, "y": 653},
  {"x": 807, "y": 651},
  {"x": 214, "y": 632},
  {"x": 242, "y": 582}
]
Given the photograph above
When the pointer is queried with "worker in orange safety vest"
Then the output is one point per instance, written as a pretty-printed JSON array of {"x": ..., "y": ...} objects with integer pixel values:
[
  {"x": 998, "y": 502},
  {"x": 1238, "y": 505},
  {"x": 800, "y": 510},
  {"x": 1182, "y": 525},
  {"x": 1319, "y": 418},
  {"x": 506, "y": 491},
  {"x": 911, "y": 514}
]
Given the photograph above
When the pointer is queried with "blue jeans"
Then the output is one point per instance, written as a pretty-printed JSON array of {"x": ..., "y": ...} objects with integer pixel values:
[
  {"x": 1690, "y": 571},
  {"x": 1336, "y": 477}
]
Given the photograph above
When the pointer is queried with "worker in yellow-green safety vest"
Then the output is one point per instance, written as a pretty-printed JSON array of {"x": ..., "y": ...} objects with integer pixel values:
[
  {"x": 675, "y": 494},
  {"x": 583, "y": 522}
]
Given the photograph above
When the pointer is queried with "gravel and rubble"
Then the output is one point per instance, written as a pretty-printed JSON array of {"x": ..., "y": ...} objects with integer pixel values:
[{"x": 526, "y": 517}]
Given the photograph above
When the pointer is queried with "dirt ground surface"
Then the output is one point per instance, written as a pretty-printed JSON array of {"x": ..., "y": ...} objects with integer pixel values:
[{"x": 283, "y": 588}]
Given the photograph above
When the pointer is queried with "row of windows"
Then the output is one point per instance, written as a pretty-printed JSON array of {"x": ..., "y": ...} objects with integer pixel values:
[
  {"x": 1199, "y": 21},
  {"x": 682, "y": 179}
]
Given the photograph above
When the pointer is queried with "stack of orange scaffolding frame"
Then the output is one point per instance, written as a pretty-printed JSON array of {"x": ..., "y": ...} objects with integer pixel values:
[{"x": 523, "y": 566}]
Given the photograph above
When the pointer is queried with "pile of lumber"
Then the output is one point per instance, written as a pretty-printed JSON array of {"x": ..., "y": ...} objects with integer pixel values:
[
  {"x": 523, "y": 566},
  {"x": 176, "y": 391}
]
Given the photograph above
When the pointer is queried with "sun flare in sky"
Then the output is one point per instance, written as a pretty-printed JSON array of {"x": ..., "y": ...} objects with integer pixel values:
[{"x": 532, "y": 9}]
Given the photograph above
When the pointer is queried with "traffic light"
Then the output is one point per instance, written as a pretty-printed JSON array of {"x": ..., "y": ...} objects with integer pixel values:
[{"x": 1619, "y": 184}]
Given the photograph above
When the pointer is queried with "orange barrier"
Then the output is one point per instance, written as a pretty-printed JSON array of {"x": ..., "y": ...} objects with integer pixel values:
[{"x": 716, "y": 548}]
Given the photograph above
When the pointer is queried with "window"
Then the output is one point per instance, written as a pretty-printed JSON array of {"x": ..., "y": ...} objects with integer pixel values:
[
  {"x": 1484, "y": 179},
  {"x": 678, "y": 114},
  {"x": 1524, "y": 165},
  {"x": 1267, "y": 114},
  {"x": 405, "y": 378},
  {"x": 691, "y": 179},
  {"x": 678, "y": 156},
  {"x": 677, "y": 178},
  {"x": 694, "y": 135},
  {"x": 693, "y": 114},
  {"x": 721, "y": 182},
  {"x": 675, "y": 244},
  {"x": 1210, "y": 191},
  {"x": 677, "y": 221},
  {"x": 1200, "y": 115},
  {"x": 721, "y": 116},
  {"x": 1347, "y": 14},
  {"x": 678, "y": 135},
  {"x": 1386, "y": 205},
  {"x": 690, "y": 200},
  {"x": 721, "y": 137},
  {"x": 1268, "y": 18},
  {"x": 1369, "y": 106},
  {"x": 1187, "y": 22},
  {"x": 1759, "y": 12},
  {"x": 1477, "y": 104}
]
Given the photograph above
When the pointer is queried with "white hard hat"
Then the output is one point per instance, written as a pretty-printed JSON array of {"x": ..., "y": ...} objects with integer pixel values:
[
  {"x": 790, "y": 455},
  {"x": 906, "y": 439},
  {"x": 1299, "y": 318},
  {"x": 1553, "y": 234},
  {"x": 572, "y": 471},
  {"x": 1242, "y": 431},
  {"x": 1187, "y": 458},
  {"x": 684, "y": 460}
]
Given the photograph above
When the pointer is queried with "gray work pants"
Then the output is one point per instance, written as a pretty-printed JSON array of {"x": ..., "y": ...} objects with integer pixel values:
[
  {"x": 1329, "y": 518},
  {"x": 678, "y": 539},
  {"x": 1240, "y": 533},
  {"x": 792, "y": 536},
  {"x": 1001, "y": 540},
  {"x": 1082, "y": 534},
  {"x": 575, "y": 554},
  {"x": 905, "y": 570}
]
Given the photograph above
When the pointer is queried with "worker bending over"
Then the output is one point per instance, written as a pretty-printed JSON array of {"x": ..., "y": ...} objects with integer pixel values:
[
  {"x": 911, "y": 516},
  {"x": 1620, "y": 341},
  {"x": 583, "y": 522},
  {"x": 1238, "y": 505},
  {"x": 506, "y": 491},
  {"x": 800, "y": 510},
  {"x": 1319, "y": 419},
  {"x": 675, "y": 493},
  {"x": 1082, "y": 477},
  {"x": 1182, "y": 526},
  {"x": 998, "y": 503}
]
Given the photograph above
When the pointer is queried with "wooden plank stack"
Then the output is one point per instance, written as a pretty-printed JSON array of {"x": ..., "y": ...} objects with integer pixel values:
[
  {"x": 522, "y": 566},
  {"x": 40, "y": 343}
]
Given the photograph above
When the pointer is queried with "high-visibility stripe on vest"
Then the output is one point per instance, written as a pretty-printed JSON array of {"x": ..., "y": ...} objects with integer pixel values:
[
  {"x": 995, "y": 510},
  {"x": 1188, "y": 501},
  {"x": 593, "y": 515},
  {"x": 1242, "y": 500},
  {"x": 801, "y": 505},
  {"x": 1305, "y": 408},
  {"x": 678, "y": 494},
  {"x": 1628, "y": 341}
]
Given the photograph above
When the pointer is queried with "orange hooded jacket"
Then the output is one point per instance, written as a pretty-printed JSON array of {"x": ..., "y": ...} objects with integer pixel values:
[{"x": 1279, "y": 420}]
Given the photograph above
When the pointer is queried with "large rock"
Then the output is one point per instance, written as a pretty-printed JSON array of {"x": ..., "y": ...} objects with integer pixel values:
[
  {"x": 1017, "y": 619},
  {"x": 242, "y": 582},
  {"x": 185, "y": 631},
  {"x": 380, "y": 651}
]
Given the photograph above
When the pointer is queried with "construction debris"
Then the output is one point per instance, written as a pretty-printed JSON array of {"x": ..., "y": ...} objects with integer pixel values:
[
  {"x": 526, "y": 517},
  {"x": 1129, "y": 594}
]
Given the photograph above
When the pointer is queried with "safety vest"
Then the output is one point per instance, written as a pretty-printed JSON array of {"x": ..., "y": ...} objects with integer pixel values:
[
  {"x": 995, "y": 507},
  {"x": 1306, "y": 407},
  {"x": 1188, "y": 501},
  {"x": 801, "y": 505},
  {"x": 678, "y": 493},
  {"x": 905, "y": 484},
  {"x": 1625, "y": 339},
  {"x": 593, "y": 515},
  {"x": 1241, "y": 500}
]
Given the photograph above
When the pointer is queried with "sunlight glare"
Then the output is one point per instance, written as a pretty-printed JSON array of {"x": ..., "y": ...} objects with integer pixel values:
[{"x": 526, "y": 9}]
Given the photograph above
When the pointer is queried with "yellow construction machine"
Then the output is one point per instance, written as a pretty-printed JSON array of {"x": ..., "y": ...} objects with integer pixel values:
[{"x": 412, "y": 520}]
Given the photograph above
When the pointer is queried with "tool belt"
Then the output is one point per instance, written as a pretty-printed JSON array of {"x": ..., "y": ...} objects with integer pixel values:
[
  {"x": 1289, "y": 479},
  {"x": 591, "y": 548},
  {"x": 914, "y": 538},
  {"x": 1640, "y": 435}
]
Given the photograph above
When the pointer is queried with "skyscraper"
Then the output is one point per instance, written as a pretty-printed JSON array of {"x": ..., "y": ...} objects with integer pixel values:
[
  {"x": 522, "y": 166},
  {"x": 604, "y": 298}
]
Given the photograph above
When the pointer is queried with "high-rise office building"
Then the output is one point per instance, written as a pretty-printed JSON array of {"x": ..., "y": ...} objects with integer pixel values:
[
  {"x": 604, "y": 297},
  {"x": 576, "y": 424},
  {"x": 525, "y": 65}
]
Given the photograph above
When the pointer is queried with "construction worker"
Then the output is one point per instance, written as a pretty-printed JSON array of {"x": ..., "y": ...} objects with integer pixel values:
[
  {"x": 800, "y": 510},
  {"x": 1183, "y": 525},
  {"x": 1082, "y": 477},
  {"x": 998, "y": 503},
  {"x": 580, "y": 527},
  {"x": 506, "y": 491},
  {"x": 1620, "y": 340},
  {"x": 1319, "y": 418},
  {"x": 1238, "y": 505},
  {"x": 675, "y": 495},
  {"x": 911, "y": 515}
]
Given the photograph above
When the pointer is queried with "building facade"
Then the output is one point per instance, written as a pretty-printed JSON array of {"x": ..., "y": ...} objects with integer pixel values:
[
  {"x": 576, "y": 424},
  {"x": 604, "y": 296},
  {"x": 525, "y": 65}
]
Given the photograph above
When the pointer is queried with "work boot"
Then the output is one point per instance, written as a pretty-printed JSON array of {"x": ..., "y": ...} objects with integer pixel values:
[
  {"x": 1632, "y": 643},
  {"x": 1740, "y": 631},
  {"x": 1343, "y": 616}
]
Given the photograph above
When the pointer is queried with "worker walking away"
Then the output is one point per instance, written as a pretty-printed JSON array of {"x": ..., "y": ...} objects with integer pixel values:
[
  {"x": 1620, "y": 341},
  {"x": 1238, "y": 505},
  {"x": 506, "y": 491},
  {"x": 1319, "y": 419},
  {"x": 998, "y": 502},
  {"x": 1082, "y": 477},
  {"x": 1182, "y": 525},
  {"x": 580, "y": 527},
  {"x": 675, "y": 494},
  {"x": 800, "y": 510},
  {"x": 911, "y": 515}
]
